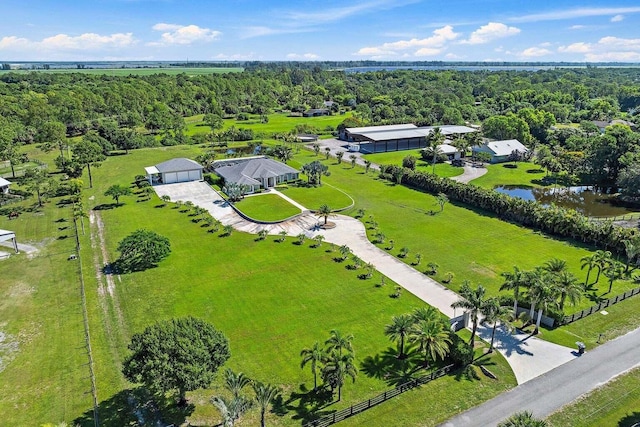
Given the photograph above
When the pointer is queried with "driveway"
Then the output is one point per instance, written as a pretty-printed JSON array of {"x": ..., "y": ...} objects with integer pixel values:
[
  {"x": 470, "y": 173},
  {"x": 528, "y": 356}
]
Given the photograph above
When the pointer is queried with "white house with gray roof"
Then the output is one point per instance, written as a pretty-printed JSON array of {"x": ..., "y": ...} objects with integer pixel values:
[
  {"x": 174, "y": 170},
  {"x": 501, "y": 150},
  {"x": 255, "y": 172}
]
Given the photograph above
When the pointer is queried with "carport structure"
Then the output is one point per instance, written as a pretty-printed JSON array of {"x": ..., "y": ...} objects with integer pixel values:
[
  {"x": 9, "y": 235},
  {"x": 175, "y": 170}
]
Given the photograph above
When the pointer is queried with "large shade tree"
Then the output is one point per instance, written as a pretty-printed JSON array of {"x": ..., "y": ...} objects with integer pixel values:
[
  {"x": 88, "y": 153},
  {"x": 180, "y": 355},
  {"x": 142, "y": 249}
]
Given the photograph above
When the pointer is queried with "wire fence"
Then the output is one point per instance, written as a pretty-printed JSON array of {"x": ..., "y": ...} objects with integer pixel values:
[
  {"x": 343, "y": 414},
  {"x": 596, "y": 308}
]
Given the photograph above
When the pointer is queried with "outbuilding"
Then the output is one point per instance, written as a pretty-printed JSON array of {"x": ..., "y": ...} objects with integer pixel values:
[
  {"x": 501, "y": 150},
  {"x": 4, "y": 186},
  {"x": 175, "y": 170}
]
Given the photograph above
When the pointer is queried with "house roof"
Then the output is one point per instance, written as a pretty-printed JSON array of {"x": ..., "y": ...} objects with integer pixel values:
[
  {"x": 4, "y": 182},
  {"x": 387, "y": 135},
  {"x": 506, "y": 147},
  {"x": 249, "y": 170},
  {"x": 448, "y": 149},
  {"x": 381, "y": 128},
  {"x": 454, "y": 129},
  {"x": 178, "y": 164}
]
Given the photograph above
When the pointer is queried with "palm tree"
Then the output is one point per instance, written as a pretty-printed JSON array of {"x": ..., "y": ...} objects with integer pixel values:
[
  {"x": 314, "y": 356},
  {"x": 588, "y": 261},
  {"x": 324, "y": 211},
  {"x": 235, "y": 382},
  {"x": 265, "y": 393},
  {"x": 472, "y": 301},
  {"x": 546, "y": 297},
  {"x": 614, "y": 271},
  {"x": 231, "y": 409},
  {"x": 442, "y": 200},
  {"x": 538, "y": 279},
  {"x": 398, "y": 330},
  {"x": 433, "y": 338},
  {"x": 514, "y": 281},
  {"x": 337, "y": 368},
  {"x": 522, "y": 419},
  {"x": 367, "y": 165},
  {"x": 353, "y": 159},
  {"x": 632, "y": 250},
  {"x": 319, "y": 239},
  {"x": 425, "y": 313},
  {"x": 568, "y": 287},
  {"x": 283, "y": 235},
  {"x": 339, "y": 156},
  {"x": 603, "y": 260},
  {"x": 338, "y": 342},
  {"x": 555, "y": 266},
  {"x": 434, "y": 139},
  {"x": 493, "y": 312},
  {"x": 344, "y": 251}
]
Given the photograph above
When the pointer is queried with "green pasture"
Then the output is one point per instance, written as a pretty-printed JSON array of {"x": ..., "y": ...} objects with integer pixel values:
[
  {"x": 613, "y": 404},
  {"x": 522, "y": 173},
  {"x": 266, "y": 207},
  {"x": 278, "y": 123},
  {"x": 135, "y": 71},
  {"x": 444, "y": 170},
  {"x": 312, "y": 197}
]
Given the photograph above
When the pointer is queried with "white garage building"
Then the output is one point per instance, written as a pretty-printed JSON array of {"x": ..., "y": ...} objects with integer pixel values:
[{"x": 174, "y": 170}]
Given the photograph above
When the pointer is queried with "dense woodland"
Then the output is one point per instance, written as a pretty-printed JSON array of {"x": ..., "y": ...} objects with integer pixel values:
[{"x": 125, "y": 113}]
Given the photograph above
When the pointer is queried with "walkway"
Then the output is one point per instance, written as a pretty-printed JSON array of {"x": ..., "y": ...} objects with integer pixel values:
[
  {"x": 528, "y": 356},
  {"x": 549, "y": 392},
  {"x": 470, "y": 173}
]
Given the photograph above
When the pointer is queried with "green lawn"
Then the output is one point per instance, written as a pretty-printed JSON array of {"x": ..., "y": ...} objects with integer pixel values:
[
  {"x": 444, "y": 170},
  {"x": 524, "y": 174},
  {"x": 266, "y": 207},
  {"x": 613, "y": 404},
  {"x": 313, "y": 197},
  {"x": 278, "y": 123}
]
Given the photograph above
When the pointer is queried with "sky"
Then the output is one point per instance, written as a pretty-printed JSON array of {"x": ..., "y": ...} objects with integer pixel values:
[{"x": 410, "y": 30}]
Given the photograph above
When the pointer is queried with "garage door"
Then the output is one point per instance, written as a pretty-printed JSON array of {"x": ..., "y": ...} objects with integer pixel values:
[
  {"x": 170, "y": 178},
  {"x": 194, "y": 175},
  {"x": 183, "y": 176}
]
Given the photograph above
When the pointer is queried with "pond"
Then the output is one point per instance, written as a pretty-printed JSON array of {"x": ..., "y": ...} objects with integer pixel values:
[{"x": 584, "y": 199}]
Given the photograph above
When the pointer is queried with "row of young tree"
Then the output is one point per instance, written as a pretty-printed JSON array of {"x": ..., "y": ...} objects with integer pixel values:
[{"x": 553, "y": 219}]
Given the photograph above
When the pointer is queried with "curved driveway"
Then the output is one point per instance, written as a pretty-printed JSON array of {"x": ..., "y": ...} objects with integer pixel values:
[{"x": 528, "y": 356}]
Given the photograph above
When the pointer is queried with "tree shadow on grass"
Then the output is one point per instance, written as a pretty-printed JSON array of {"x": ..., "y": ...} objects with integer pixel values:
[
  {"x": 136, "y": 407},
  {"x": 106, "y": 206},
  {"x": 307, "y": 405},
  {"x": 629, "y": 420},
  {"x": 388, "y": 367}
]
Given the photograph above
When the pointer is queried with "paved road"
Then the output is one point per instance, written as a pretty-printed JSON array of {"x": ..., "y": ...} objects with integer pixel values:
[{"x": 549, "y": 392}]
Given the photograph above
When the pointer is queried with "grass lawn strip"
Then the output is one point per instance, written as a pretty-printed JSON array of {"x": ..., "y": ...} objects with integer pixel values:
[
  {"x": 525, "y": 174},
  {"x": 313, "y": 197},
  {"x": 613, "y": 404},
  {"x": 266, "y": 207},
  {"x": 444, "y": 170}
]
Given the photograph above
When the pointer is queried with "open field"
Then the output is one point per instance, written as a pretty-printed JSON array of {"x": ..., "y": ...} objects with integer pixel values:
[
  {"x": 135, "y": 71},
  {"x": 613, "y": 404},
  {"x": 444, "y": 170},
  {"x": 278, "y": 123},
  {"x": 313, "y": 197},
  {"x": 266, "y": 207},
  {"x": 524, "y": 174}
]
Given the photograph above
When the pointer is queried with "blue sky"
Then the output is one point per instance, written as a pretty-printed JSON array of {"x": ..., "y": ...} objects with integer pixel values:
[{"x": 461, "y": 30}]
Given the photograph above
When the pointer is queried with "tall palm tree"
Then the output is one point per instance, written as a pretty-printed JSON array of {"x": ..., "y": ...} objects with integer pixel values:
[
  {"x": 265, "y": 393},
  {"x": 434, "y": 139},
  {"x": 314, "y": 356},
  {"x": 588, "y": 261},
  {"x": 555, "y": 266},
  {"x": 493, "y": 313},
  {"x": 235, "y": 382},
  {"x": 339, "y": 342},
  {"x": 472, "y": 301},
  {"x": 546, "y": 297},
  {"x": 324, "y": 211},
  {"x": 514, "y": 281},
  {"x": 231, "y": 409},
  {"x": 538, "y": 279},
  {"x": 568, "y": 287},
  {"x": 603, "y": 260},
  {"x": 398, "y": 330},
  {"x": 632, "y": 250},
  {"x": 338, "y": 368},
  {"x": 432, "y": 337},
  {"x": 425, "y": 313},
  {"x": 614, "y": 271}
]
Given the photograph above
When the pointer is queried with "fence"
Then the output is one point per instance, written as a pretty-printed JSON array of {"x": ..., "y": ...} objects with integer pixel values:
[
  {"x": 338, "y": 416},
  {"x": 596, "y": 308}
]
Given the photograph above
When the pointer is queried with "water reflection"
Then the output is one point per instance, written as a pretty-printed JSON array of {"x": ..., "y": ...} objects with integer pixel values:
[{"x": 583, "y": 199}]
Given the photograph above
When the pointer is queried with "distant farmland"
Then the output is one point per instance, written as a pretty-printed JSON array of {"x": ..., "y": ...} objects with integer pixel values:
[{"x": 136, "y": 71}]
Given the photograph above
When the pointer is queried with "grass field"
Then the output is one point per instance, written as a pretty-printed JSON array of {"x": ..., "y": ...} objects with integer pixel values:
[
  {"x": 614, "y": 404},
  {"x": 136, "y": 71},
  {"x": 266, "y": 207},
  {"x": 524, "y": 174},
  {"x": 444, "y": 170},
  {"x": 278, "y": 123},
  {"x": 313, "y": 197}
]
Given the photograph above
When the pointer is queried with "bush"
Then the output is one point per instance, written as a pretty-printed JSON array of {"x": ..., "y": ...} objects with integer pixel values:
[{"x": 460, "y": 353}]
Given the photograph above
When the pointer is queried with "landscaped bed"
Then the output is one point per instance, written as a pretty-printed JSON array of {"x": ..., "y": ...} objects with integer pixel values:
[{"x": 266, "y": 207}]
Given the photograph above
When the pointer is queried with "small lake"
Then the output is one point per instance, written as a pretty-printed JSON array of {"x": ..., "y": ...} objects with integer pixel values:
[{"x": 583, "y": 199}]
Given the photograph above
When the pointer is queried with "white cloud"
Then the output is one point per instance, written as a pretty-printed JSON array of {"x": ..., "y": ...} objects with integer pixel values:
[
  {"x": 174, "y": 34},
  {"x": 65, "y": 42},
  {"x": 606, "y": 49},
  {"x": 579, "y": 47},
  {"x": 545, "y": 44},
  {"x": 304, "y": 56},
  {"x": 577, "y": 27},
  {"x": 491, "y": 31},
  {"x": 617, "y": 18},
  {"x": 575, "y": 13},
  {"x": 423, "y": 47},
  {"x": 613, "y": 56},
  {"x": 340, "y": 13},
  {"x": 534, "y": 52}
]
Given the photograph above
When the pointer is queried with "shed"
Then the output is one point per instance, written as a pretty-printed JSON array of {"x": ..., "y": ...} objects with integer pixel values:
[
  {"x": 501, "y": 150},
  {"x": 175, "y": 170},
  {"x": 4, "y": 186}
]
